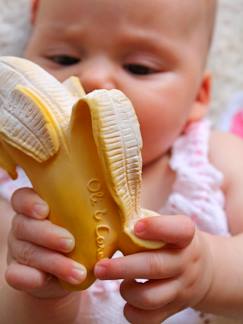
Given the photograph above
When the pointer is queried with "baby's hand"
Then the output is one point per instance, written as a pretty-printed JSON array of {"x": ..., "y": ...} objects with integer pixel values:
[
  {"x": 36, "y": 250},
  {"x": 177, "y": 276}
]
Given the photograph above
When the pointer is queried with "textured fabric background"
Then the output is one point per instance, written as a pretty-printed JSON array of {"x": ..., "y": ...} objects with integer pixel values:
[
  {"x": 226, "y": 61},
  {"x": 226, "y": 55},
  {"x": 14, "y": 26}
]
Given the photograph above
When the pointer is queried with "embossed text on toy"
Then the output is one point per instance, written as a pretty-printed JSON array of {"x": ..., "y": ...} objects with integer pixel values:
[{"x": 102, "y": 230}]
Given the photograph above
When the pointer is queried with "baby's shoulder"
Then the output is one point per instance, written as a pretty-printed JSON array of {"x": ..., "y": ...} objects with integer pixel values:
[
  {"x": 224, "y": 143},
  {"x": 226, "y": 153}
]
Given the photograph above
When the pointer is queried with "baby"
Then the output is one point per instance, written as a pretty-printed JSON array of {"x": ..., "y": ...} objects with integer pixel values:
[{"x": 155, "y": 52}]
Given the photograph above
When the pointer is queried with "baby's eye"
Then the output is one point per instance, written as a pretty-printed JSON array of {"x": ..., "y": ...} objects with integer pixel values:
[
  {"x": 139, "y": 69},
  {"x": 64, "y": 59}
]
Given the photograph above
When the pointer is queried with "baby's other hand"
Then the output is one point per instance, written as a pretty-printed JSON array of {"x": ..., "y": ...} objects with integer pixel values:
[
  {"x": 177, "y": 276},
  {"x": 37, "y": 248}
]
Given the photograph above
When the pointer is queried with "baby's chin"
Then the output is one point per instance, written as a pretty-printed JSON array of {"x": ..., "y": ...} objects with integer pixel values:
[{"x": 150, "y": 157}]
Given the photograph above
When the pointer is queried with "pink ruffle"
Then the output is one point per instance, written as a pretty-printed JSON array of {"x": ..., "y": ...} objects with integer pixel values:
[{"x": 197, "y": 190}]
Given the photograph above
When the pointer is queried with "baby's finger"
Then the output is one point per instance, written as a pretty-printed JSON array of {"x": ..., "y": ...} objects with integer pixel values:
[
  {"x": 48, "y": 261},
  {"x": 145, "y": 265},
  {"x": 150, "y": 295},
  {"x": 33, "y": 281},
  {"x": 22, "y": 277},
  {"x": 26, "y": 201},
  {"x": 177, "y": 229},
  {"x": 43, "y": 233},
  {"x": 135, "y": 315}
]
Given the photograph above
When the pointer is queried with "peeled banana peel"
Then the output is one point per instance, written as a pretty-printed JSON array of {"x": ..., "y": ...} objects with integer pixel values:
[{"x": 82, "y": 153}]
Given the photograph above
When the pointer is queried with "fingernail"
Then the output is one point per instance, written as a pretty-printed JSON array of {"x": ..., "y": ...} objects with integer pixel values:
[
  {"x": 100, "y": 270},
  {"x": 64, "y": 239},
  {"x": 78, "y": 274},
  {"x": 139, "y": 228},
  {"x": 40, "y": 210},
  {"x": 67, "y": 243}
]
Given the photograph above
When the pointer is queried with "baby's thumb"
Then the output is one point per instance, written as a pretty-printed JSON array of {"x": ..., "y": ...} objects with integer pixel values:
[{"x": 177, "y": 230}]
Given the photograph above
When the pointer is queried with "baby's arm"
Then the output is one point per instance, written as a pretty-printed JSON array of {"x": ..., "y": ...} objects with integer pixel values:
[
  {"x": 36, "y": 257},
  {"x": 226, "y": 293},
  {"x": 227, "y": 155}
]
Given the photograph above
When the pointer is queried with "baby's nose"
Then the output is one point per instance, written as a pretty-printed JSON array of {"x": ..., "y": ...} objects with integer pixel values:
[{"x": 97, "y": 75}]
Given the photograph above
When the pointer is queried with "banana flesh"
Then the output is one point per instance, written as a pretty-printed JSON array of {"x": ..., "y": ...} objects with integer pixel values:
[{"x": 82, "y": 153}]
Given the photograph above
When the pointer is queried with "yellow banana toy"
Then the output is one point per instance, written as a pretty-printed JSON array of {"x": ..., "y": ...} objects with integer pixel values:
[{"x": 82, "y": 155}]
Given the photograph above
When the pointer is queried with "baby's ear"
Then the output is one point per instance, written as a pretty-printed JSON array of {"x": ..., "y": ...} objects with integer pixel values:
[{"x": 202, "y": 101}]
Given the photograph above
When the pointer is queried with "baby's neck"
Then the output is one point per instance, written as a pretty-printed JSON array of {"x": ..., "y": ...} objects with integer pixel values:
[{"x": 158, "y": 179}]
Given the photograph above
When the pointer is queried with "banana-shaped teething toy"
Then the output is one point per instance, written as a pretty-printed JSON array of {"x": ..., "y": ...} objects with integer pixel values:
[{"x": 82, "y": 155}]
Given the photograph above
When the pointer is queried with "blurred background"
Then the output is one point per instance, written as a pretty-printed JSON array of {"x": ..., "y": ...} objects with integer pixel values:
[{"x": 226, "y": 59}]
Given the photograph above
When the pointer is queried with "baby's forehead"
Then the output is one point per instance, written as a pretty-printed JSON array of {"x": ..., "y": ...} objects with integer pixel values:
[
  {"x": 190, "y": 17},
  {"x": 186, "y": 8},
  {"x": 184, "y": 13},
  {"x": 175, "y": 17}
]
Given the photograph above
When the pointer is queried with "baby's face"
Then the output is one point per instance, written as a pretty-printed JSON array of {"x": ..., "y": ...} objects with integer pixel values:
[{"x": 147, "y": 49}]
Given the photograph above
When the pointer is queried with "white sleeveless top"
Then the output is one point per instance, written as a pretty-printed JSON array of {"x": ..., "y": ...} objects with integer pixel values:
[{"x": 196, "y": 193}]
